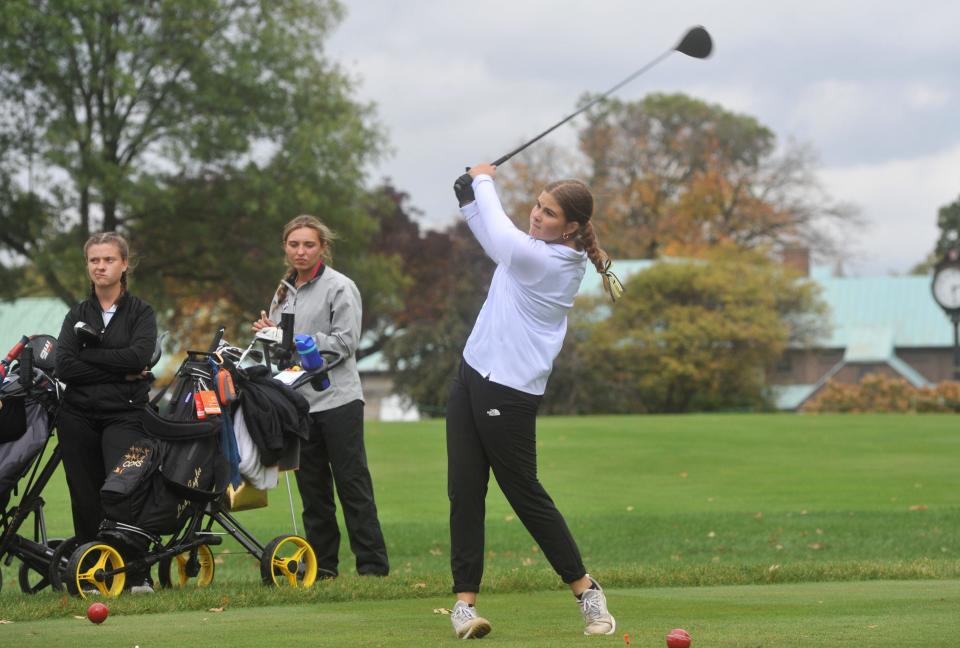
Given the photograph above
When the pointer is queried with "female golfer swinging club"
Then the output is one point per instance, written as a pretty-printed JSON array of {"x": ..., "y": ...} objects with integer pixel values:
[{"x": 492, "y": 410}]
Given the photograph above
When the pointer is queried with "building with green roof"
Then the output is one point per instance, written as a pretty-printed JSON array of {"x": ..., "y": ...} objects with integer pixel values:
[{"x": 877, "y": 325}]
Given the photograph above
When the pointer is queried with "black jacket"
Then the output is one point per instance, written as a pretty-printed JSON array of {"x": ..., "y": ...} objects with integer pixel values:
[
  {"x": 95, "y": 376},
  {"x": 276, "y": 415}
]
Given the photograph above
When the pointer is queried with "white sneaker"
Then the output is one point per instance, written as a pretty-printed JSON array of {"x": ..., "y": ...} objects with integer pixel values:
[
  {"x": 593, "y": 606},
  {"x": 467, "y": 624},
  {"x": 143, "y": 588}
]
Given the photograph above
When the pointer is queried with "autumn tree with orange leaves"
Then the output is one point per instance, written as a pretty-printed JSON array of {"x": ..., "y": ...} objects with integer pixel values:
[{"x": 673, "y": 175}]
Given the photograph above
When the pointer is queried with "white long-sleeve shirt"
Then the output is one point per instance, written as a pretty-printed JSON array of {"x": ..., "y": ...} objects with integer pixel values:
[{"x": 521, "y": 326}]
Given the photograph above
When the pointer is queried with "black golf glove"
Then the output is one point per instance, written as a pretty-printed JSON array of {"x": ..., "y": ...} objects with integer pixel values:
[{"x": 463, "y": 188}]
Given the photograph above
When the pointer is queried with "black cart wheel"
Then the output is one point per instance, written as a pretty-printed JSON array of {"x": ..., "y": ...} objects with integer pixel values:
[
  {"x": 58, "y": 562},
  {"x": 32, "y": 580},
  {"x": 87, "y": 569},
  {"x": 288, "y": 561},
  {"x": 196, "y": 564}
]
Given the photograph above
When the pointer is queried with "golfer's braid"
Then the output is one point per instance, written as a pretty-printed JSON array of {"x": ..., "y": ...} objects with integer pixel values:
[
  {"x": 282, "y": 289},
  {"x": 588, "y": 239}
]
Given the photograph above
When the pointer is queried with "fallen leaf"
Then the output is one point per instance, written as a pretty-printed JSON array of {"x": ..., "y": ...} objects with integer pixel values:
[
  {"x": 819, "y": 531},
  {"x": 436, "y": 551},
  {"x": 773, "y": 568},
  {"x": 419, "y": 586},
  {"x": 816, "y": 546},
  {"x": 527, "y": 562},
  {"x": 759, "y": 515},
  {"x": 711, "y": 535},
  {"x": 442, "y": 610},
  {"x": 630, "y": 508},
  {"x": 684, "y": 475},
  {"x": 918, "y": 507},
  {"x": 871, "y": 626},
  {"x": 219, "y": 609},
  {"x": 508, "y": 518},
  {"x": 5, "y": 621},
  {"x": 79, "y": 617}
]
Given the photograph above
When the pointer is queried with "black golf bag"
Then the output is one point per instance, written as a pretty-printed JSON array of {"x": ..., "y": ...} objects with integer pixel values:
[
  {"x": 29, "y": 398},
  {"x": 177, "y": 464}
]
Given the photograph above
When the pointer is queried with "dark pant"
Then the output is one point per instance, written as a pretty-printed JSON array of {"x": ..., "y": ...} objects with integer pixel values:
[
  {"x": 91, "y": 444},
  {"x": 335, "y": 454},
  {"x": 492, "y": 426}
]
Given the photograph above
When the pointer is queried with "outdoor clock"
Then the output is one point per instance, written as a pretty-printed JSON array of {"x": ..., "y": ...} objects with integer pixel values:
[{"x": 946, "y": 286}]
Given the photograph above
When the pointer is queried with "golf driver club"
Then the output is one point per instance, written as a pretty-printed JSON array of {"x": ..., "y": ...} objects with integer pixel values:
[{"x": 695, "y": 43}]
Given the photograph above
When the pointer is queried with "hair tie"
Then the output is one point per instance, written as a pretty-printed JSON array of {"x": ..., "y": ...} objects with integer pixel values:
[{"x": 611, "y": 283}]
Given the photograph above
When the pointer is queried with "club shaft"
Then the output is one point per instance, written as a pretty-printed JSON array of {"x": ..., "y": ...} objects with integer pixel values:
[{"x": 563, "y": 121}]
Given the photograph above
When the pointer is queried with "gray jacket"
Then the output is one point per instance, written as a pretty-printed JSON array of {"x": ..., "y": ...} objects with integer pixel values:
[{"x": 329, "y": 308}]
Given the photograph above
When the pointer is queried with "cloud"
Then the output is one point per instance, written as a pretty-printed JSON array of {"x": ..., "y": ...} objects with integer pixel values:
[
  {"x": 899, "y": 201},
  {"x": 870, "y": 85}
]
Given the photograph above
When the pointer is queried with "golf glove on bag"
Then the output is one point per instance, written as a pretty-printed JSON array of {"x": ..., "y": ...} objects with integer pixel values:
[{"x": 463, "y": 188}]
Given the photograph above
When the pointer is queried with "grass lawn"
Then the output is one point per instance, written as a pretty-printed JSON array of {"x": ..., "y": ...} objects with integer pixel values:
[
  {"x": 875, "y": 613},
  {"x": 653, "y": 502}
]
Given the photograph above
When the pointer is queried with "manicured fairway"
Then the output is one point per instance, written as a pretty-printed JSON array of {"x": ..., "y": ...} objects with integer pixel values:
[
  {"x": 862, "y": 615},
  {"x": 654, "y": 502}
]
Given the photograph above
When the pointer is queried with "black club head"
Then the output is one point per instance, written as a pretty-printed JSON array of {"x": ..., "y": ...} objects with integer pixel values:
[{"x": 696, "y": 43}]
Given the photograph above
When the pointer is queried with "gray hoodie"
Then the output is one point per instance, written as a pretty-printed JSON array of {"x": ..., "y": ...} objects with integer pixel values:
[{"x": 329, "y": 308}]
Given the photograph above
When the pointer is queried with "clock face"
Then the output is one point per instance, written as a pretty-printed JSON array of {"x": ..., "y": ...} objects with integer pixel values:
[{"x": 946, "y": 287}]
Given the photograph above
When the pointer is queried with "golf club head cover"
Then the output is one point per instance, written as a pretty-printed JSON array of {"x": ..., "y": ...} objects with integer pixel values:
[
  {"x": 463, "y": 188},
  {"x": 86, "y": 334}
]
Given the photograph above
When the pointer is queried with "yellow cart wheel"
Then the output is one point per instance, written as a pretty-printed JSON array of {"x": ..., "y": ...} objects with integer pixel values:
[
  {"x": 289, "y": 561},
  {"x": 86, "y": 570},
  {"x": 196, "y": 564}
]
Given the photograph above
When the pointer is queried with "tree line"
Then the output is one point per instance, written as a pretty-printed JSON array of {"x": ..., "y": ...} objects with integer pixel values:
[{"x": 199, "y": 128}]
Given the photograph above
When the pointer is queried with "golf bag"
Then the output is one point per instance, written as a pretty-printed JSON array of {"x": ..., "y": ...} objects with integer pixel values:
[
  {"x": 29, "y": 399},
  {"x": 179, "y": 461}
]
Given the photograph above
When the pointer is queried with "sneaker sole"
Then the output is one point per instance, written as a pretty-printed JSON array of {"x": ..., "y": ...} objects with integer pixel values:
[
  {"x": 602, "y": 634},
  {"x": 477, "y": 630}
]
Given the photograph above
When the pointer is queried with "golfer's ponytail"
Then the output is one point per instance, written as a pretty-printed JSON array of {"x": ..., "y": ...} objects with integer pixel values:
[
  {"x": 283, "y": 288},
  {"x": 601, "y": 261},
  {"x": 576, "y": 200}
]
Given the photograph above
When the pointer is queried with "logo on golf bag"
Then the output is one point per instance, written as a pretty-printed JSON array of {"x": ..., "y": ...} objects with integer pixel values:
[{"x": 133, "y": 458}]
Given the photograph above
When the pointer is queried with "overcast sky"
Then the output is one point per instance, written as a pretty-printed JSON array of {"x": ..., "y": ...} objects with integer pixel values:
[{"x": 873, "y": 87}]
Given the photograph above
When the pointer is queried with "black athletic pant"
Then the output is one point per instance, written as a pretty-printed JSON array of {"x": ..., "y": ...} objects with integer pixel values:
[
  {"x": 91, "y": 444},
  {"x": 493, "y": 426},
  {"x": 335, "y": 454}
]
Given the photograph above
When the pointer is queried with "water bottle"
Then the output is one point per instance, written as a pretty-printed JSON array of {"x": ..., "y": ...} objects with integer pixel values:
[{"x": 310, "y": 357}]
